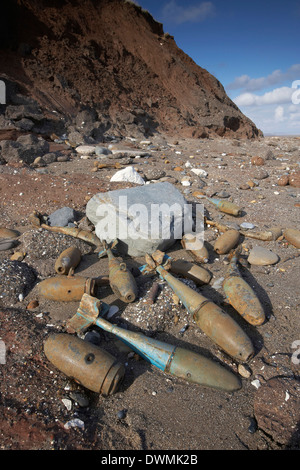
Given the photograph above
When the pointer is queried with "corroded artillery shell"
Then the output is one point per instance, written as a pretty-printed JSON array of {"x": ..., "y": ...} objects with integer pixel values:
[
  {"x": 121, "y": 280},
  {"x": 226, "y": 206},
  {"x": 192, "y": 271},
  {"x": 196, "y": 247},
  {"x": 292, "y": 236},
  {"x": 68, "y": 260},
  {"x": 89, "y": 365},
  {"x": 241, "y": 296},
  {"x": 227, "y": 241},
  {"x": 67, "y": 289},
  {"x": 212, "y": 320},
  {"x": 8, "y": 233},
  {"x": 171, "y": 359}
]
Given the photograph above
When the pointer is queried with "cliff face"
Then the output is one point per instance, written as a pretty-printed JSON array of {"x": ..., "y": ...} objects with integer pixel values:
[{"x": 112, "y": 58}]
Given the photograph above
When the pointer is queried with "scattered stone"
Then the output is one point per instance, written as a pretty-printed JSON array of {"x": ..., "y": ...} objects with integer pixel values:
[
  {"x": 74, "y": 423},
  {"x": 294, "y": 179},
  {"x": 79, "y": 398},
  {"x": 200, "y": 172},
  {"x": 85, "y": 149},
  {"x": 247, "y": 225},
  {"x": 62, "y": 217},
  {"x": 32, "y": 305},
  {"x": 49, "y": 157},
  {"x": 292, "y": 236},
  {"x": 258, "y": 161},
  {"x": 244, "y": 370},
  {"x": 244, "y": 186},
  {"x": 102, "y": 150},
  {"x": 153, "y": 174},
  {"x": 223, "y": 194},
  {"x": 261, "y": 256},
  {"x": 260, "y": 174},
  {"x": 283, "y": 180},
  {"x": 128, "y": 174}
]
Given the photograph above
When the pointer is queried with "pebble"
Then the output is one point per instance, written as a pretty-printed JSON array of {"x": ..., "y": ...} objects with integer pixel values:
[
  {"x": 223, "y": 194},
  {"x": 128, "y": 174},
  {"x": 67, "y": 403},
  {"x": 244, "y": 371},
  {"x": 85, "y": 149},
  {"x": 199, "y": 172},
  {"x": 247, "y": 225},
  {"x": 258, "y": 161},
  {"x": 260, "y": 256},
  {"x": 283, "y": 180},
  {"x": 74, "y": 423},
  {"x": 62, "y": 217}
]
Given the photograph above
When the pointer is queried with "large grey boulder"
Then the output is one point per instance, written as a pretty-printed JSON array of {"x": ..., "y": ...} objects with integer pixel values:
[{"x": 144, "y": 218}]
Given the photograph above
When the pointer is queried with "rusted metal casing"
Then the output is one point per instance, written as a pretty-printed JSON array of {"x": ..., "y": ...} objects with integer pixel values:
[
  {"x": 292, "y": 235},
  {"x": 212, "y": 320},
  {"x": 241, "y": 296},
  {"x": 195, "y": 247},
  {"x": 8, "y": 233},
  {"x": 68, "y": 260},
  {"x": 179, "y": 362},
  {"x": 190, "y": 270},
  {"x": 85, "y": 235},
  {"x": 89, "y": 365},
  {"x": 121, "y": 280},
  {"x": 227, "y": 241},
  {"x": 226, "y": 206},
  {"x": 66, "y": 289}
]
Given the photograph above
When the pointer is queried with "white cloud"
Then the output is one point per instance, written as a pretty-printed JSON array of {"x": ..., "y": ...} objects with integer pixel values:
[
  {"x": 276, "y": 96},
  {"x": 184, "y": 14},
  {"x": 275, "y": 78},
  {"x": 279, "y": 114}
]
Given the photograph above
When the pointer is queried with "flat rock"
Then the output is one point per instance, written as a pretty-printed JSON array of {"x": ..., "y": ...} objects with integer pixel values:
[
  {"x": 137, "y": 218},
  {"x": 261, "y": 256}
]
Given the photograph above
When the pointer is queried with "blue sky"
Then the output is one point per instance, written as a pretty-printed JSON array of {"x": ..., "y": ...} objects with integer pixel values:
[{"x": 252, "y": 48}]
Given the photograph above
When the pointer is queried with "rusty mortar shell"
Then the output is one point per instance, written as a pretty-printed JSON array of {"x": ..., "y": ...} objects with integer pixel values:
[
  {"x": 292, "y": 235},
  {"x": 227, "y": 241},
  {"x": 8, "y": 233},
  {"x": 67, "y": 288},
  {"x": 240, "y": 295},
  {"x": 173, "y": 360},
  {"x": 225, "y": 206},
  {"x": 212, "y": 320},
  {"x": 68, "y": 260},
  {"x": 195, "y": 247},
  {"x": 121, "y": 280},
  {"x": 190, "y": 270},
  {"x": 36, "y": 220},
  {"x": 87, "y": 364}
]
